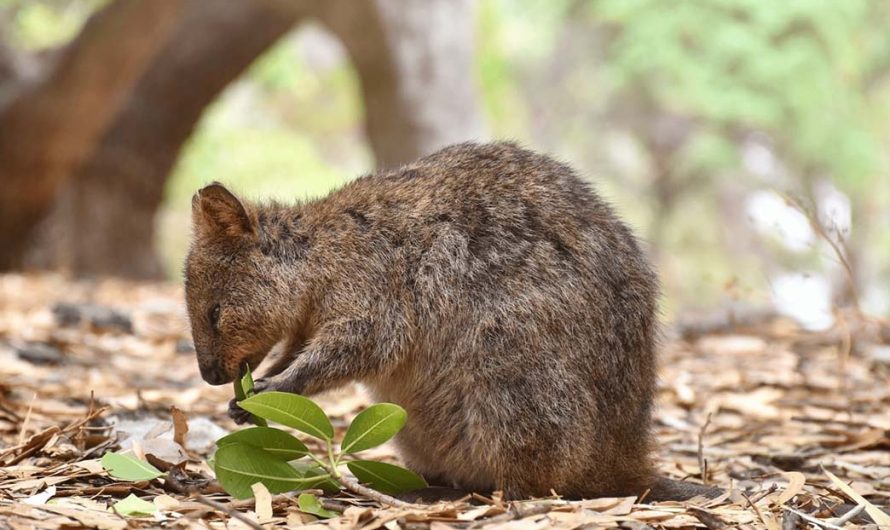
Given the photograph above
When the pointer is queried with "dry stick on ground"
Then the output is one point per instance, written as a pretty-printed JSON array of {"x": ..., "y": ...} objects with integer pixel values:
[
  {"x": 226, "y": 510},
  {"x": 702, "y": 463},
  {"x": 756, "y": 510},
  {"x": 27, "y": 419},
  {"x": 31, "y": 446},
  {"x": 842, "y": 520},
  {"x": 844, "y": 351},
  {"x": 811, "y": 519},
  {"x": 357, "y": 488},
  {"x": 91, "y": 415},
  {"x": 761, "y": 494}
]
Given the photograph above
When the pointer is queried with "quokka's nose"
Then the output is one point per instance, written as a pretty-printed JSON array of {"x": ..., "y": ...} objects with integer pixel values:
[{"x": 214, "y": 374}]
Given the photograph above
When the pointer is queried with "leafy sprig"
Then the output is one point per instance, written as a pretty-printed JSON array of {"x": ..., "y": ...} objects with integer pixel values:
[
  {"x": 266, "y": 454},
  {"x": 282, "y": 462}
]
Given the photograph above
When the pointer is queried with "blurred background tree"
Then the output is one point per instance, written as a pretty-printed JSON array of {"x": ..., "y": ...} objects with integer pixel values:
[{"x": 747, "y": 141}]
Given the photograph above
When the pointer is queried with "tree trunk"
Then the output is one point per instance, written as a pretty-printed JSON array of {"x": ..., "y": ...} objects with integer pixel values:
[
  {"x": 49, "y": 124},
  {"x": 103, "y": 222},
  {"x": 415, "y": 65}
]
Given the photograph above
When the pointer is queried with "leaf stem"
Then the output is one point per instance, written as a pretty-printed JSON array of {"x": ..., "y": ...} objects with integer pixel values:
[
  {"x": 333, "y": 467},
  {"x": 318, "y": 461}
]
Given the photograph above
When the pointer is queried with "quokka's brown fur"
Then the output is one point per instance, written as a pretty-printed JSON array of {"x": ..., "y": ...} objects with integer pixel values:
[{"x": 485, "y": 288}]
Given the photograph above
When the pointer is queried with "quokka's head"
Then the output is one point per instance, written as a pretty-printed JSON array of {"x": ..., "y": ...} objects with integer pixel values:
[{"x": 236, "y": 294}]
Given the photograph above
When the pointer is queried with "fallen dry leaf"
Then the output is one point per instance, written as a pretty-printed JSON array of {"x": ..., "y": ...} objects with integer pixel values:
[
  {"x": 877, "y": 515},
  {"x": 796, "y": 481}
]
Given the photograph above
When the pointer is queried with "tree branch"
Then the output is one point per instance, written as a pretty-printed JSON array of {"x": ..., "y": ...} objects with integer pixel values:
[
  {"x": 103, "y": 219},
  {"x": 52, "y": 123},
  {"x": 415, "y": 65}
]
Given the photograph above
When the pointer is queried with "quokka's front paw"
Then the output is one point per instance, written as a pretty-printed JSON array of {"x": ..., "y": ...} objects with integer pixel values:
[
  {"x": 238, "y": 414},
  {"x": 279, "y": 383},
  {"x": 264, "y": 384}
]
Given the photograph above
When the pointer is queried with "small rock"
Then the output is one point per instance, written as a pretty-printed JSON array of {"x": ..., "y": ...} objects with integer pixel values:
[
  {"x": 203, "y": 434},
  {"x": 40, "y": 353},
  {"x": 184, "y": 346},
  {"x": 100, "y": 318},
  {"x": 156, "y": 436}
]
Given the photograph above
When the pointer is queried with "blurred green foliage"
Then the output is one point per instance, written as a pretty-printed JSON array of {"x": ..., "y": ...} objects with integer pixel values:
[
  {"x": 811, "y": 78},
  {"x": 660, "y": 103},
  {"x": 40, "y": 24},
  {"x": 803, "y": 72}
]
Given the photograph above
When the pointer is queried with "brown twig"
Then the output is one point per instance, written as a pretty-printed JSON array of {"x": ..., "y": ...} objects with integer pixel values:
[
  {"x": 811, "y": 519},
  {"x": 756, "y": 509},
  {"x": 111, "y": 490},
  {"x": 356, "y": 487},
  {"x": 702, "y": 462},
  {"x": 86, "y": 419},
  {"x": 842, "y": 520},
  {"x": 227, "y": 510},
  {"x": 31, "y": 446},
  {"x": 844, "y": 352},
  {"x": 27, "y": 420}
]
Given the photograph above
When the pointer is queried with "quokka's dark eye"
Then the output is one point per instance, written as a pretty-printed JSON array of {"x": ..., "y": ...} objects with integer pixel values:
[{"x": 214, "y": 316}]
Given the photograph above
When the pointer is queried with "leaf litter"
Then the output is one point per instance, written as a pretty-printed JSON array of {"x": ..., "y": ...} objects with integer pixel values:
[{"x": 794, "y": 424}]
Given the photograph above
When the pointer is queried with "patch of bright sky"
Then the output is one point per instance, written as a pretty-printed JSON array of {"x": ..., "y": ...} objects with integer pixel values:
[
  {"x": 771, "y": 214},
  {"x": 805, "y": 298}
]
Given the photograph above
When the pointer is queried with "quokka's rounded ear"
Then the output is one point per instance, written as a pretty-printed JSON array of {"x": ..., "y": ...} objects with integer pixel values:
[{"x": 216, "y": 211}]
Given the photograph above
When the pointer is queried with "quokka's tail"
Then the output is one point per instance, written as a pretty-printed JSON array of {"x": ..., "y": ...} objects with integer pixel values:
[{"x": 666, "y": 489}]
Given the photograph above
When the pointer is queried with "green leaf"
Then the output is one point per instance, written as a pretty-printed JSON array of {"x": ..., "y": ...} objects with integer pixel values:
[
  {"x": 126, "y": 467},
  {"x": 293, "y": 410},
  {"x": 275, "y": 441},
  {"x": 386, "y": 477},
  {"x": 373, "y": 426},
  {"x": 244, "y": 389},
  {"x": 247, "y": 382},
  {"x": 309, "y": 503},
  {"x": 324, "y": 482},
  {"x": 238, "y": 386},
  {"x": 133, "y": 505},
  {"x": 238, "y": 466}
]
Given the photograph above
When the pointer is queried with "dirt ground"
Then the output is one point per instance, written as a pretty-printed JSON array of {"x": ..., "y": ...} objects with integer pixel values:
[{"x": 770, "y": 411}]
